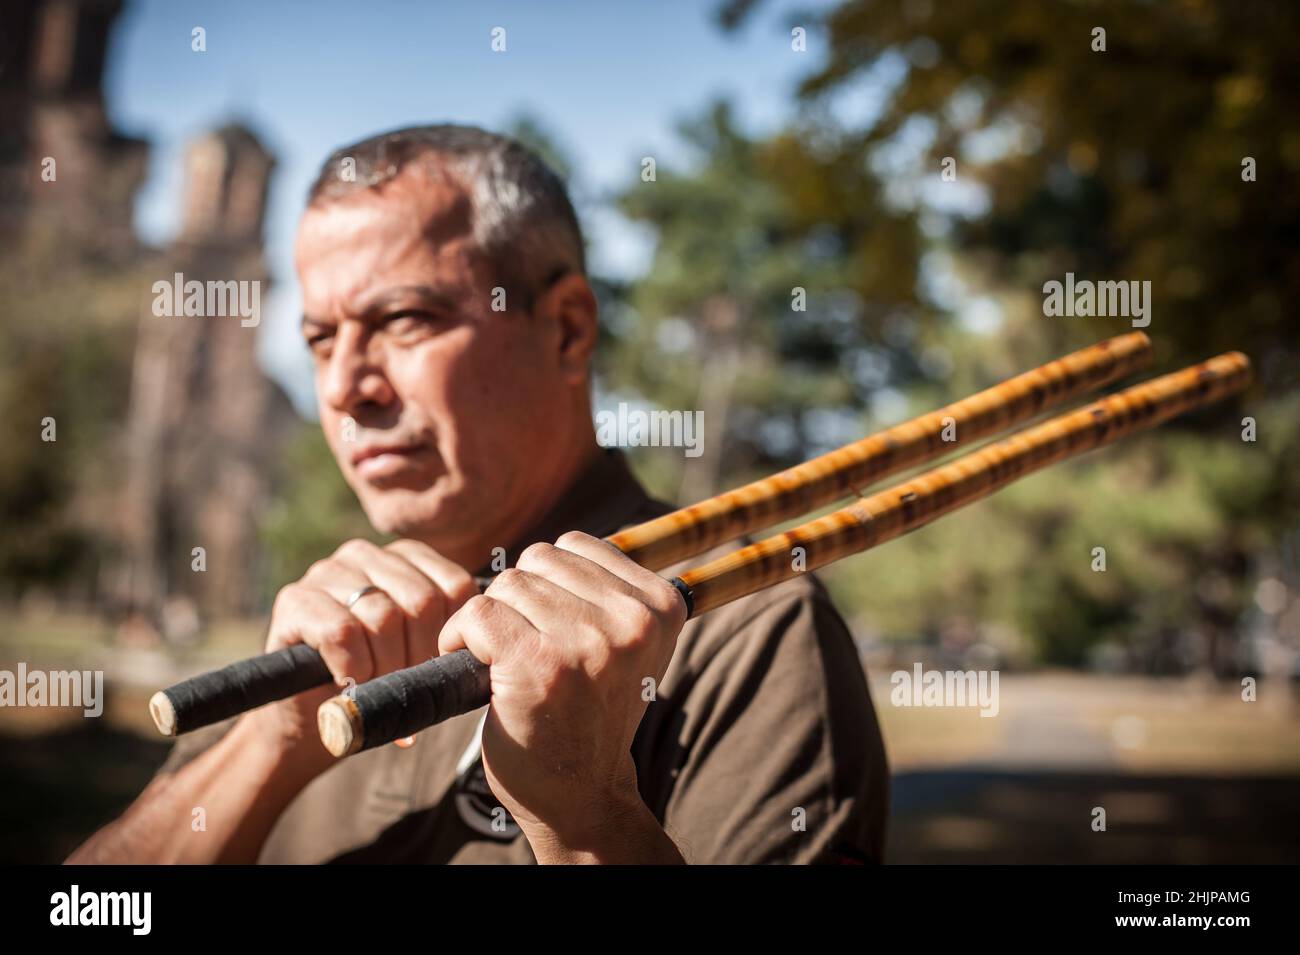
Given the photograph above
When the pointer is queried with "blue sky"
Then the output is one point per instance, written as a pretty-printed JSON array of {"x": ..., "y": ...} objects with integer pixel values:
[{"x": 608, "y": 80}]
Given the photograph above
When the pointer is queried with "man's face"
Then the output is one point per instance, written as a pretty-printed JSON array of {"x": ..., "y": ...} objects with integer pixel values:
[{"x": 451, "y": 400}]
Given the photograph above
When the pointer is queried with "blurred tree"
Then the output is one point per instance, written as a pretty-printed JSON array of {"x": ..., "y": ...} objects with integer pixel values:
[
  {"x": 65, "y": 357},
  {"x": 1134, "y": 162},
  {"x": 775, "y": 275},
  {"x": 1123, "y": 163},
  {"x": 314, "y": 512}
]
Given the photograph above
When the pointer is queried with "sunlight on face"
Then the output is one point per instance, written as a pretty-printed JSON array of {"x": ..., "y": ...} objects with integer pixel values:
[{"x": 434, "y": 406}]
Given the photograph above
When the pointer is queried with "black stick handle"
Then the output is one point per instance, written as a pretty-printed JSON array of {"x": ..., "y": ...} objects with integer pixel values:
[
  {"x": 242, "y": 686},
  {"x": 404, "y": 702},
  {"x": 212, "y": 697}
]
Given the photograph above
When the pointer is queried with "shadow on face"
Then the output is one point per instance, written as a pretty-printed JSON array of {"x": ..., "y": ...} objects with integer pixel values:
[{"x": 448, "y": 417}]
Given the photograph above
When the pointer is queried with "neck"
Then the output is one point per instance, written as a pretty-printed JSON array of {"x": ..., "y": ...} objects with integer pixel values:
[{"x": 508, "y": 527}]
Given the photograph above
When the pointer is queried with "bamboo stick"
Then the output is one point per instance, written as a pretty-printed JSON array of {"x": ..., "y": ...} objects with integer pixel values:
[
  {"x": 246, "y": 684},
  {"x": 837, "y": 474},
  {"x": 407, "y": 701}
]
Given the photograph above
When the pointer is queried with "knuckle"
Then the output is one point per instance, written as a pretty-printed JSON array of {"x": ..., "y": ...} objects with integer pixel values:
[
  {"x": 535, "y": 555},
  {"x": 548, "y": 681},
  {"x": 639, "y": 621},
  {"x": 407, "y": 545},
  {"x": 354, "y": 548},
  {"x": 572, "y": 538},
  {"x": 511, "y": 579},
  {"x": 317, "y": 568},
  {"x": 598, "y": 654},
  {"x": 477, "y": 609},
  {"x": 284, "y": 601},
  {"x": 665, "y": 599},
  {"x": 551, "y": 672}
]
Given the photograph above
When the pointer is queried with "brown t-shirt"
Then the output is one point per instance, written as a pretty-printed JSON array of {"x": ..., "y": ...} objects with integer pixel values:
[{"x": 761, "y": 744}]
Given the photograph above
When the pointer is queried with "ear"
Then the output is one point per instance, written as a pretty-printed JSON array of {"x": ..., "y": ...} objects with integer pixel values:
[{"x": 569, "y": 308}]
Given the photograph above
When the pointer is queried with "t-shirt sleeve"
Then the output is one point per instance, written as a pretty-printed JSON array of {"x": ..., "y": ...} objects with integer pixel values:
[{"x": 784, "y": 760}]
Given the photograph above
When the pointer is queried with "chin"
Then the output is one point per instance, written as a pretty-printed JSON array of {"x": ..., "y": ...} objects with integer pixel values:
[
  {"x": 402, "y": 524},
  {"x": 423, "y": 521},
  {"x": 414, "y": 511}
]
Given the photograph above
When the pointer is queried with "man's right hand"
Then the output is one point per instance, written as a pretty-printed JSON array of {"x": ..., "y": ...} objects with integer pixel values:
[
  {"x": 394, "y": 627},
  {"x": 248, "y": 778}
]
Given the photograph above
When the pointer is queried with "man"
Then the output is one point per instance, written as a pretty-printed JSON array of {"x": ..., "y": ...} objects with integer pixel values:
[{"x": 452, "y": 326}]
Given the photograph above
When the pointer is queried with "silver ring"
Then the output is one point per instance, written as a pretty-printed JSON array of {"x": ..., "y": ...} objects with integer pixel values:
[{"x": 357, "y": 595}]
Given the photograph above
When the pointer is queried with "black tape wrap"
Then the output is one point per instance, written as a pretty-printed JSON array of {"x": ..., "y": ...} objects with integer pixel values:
[
  {"x": 406, "y": 701},
  {"x": 687, "y": 595},
  {"x": 212, "y": 697}
]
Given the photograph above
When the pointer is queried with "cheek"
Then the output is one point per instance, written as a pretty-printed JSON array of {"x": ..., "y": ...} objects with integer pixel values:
[
  {"x": 497, "y": 393},
  {"x": 440, "y": 386},
  {"x": 492, "y": 376}
]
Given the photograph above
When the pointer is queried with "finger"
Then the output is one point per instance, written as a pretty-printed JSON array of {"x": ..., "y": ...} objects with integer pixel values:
[
  {"x": 455, "y": 582},
  {"x": 336, "y": 577},
  {"x": 659, "y": 594},
  {"x": 574, "y": 572},
  {"x": 419, "y": 598},
  {"x": 569, "y": 628},
  {"x": 548, "y": 606},
  {"x": 307, "y": 615},
  {"x": 382, "y": 618},
  {"x": 490, "y": 629},
  {"x": 385, "y": 624}
]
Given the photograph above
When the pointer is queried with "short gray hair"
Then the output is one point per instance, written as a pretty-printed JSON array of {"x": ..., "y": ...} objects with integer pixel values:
[{"x": 523, "y": 221}]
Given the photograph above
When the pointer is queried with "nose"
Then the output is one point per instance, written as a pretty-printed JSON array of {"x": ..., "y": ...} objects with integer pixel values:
[{"x": 353, "y": 379}]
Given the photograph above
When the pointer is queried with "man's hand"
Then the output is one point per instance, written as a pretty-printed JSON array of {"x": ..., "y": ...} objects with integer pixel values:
[
  {"x": 385, "y": 630},
  {"x": 571, "y": 635},
  {"x": 257, "y": 769}
]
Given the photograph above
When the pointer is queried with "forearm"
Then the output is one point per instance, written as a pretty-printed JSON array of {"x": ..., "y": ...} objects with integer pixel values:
[{"x": 241, "y": 785}]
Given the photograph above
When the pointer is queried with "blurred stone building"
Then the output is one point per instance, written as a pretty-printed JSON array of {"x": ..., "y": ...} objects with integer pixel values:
[
  {"x": 52, "y": 109},
  {"x": 205, "y": 424}
]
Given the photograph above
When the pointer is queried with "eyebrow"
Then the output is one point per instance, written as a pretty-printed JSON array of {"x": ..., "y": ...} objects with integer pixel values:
[{"x": 426, "y": 295}]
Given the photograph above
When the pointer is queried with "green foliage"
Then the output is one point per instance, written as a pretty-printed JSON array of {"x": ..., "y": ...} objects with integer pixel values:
[
  {"x": 313, "y": 511},
  {"x": 737, "y": 235},
  {"x": 1125, "y": 165},
  {"x": 1122, "y": 164}
]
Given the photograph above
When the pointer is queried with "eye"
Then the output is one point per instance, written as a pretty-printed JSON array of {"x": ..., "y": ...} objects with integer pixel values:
[
  {"x": 318, "y": 342},
  {"x": 409, "y": 322}
]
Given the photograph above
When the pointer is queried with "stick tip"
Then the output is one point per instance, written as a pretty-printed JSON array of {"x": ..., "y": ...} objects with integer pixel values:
[
  {"x": 340, "y": 726},
  {"x": 163, "y": 712}
]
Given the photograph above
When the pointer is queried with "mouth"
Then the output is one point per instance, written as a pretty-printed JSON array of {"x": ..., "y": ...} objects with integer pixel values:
[{"x": 379, "y": 461}]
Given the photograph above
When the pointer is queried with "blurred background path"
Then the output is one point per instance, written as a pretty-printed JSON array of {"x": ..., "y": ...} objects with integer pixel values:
[{"x": 1186, "y": 772}]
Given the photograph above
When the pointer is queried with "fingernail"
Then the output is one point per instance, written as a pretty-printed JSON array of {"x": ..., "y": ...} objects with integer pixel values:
[{"x": 405, "y": 742}]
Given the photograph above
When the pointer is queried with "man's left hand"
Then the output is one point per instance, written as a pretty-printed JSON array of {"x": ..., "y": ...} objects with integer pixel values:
[{"x": 572, "y": 634}]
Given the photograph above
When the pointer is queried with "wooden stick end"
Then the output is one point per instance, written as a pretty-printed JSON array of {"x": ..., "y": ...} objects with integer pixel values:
[
  {"x": 340, "y": 726},
  {"x": 163, "y": 713}
]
